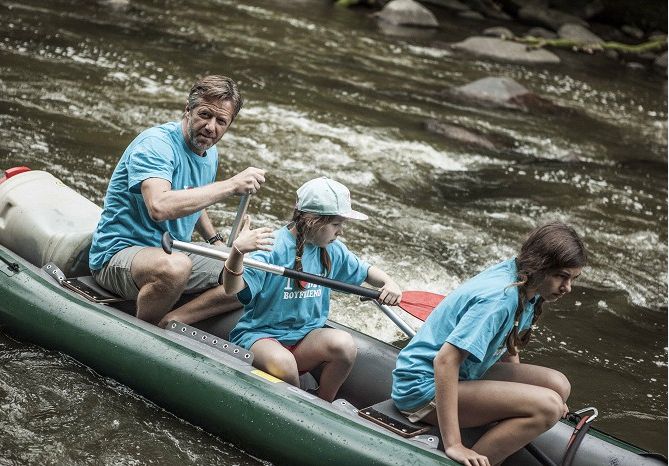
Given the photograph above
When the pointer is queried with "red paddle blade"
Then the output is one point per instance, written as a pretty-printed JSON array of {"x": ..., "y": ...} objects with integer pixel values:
[{"x": 420, "y": 303}]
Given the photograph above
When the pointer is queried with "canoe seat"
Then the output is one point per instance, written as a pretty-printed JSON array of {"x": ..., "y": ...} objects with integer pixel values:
[
  {"x": 87, "y": 287},
  {"x": 388, "y": 416}
]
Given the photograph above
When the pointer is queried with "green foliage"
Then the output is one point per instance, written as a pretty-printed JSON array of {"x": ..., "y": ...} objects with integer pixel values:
[{"x": 657, "y": 43}]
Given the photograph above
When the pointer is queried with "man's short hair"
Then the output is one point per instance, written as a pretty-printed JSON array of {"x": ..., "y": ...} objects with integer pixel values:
[{"x": 215, "y": 87}]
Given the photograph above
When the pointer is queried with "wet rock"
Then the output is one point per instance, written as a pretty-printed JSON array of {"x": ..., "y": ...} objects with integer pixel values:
[
  {"x": 579, "y": 34},
  {"x": 459, "y": 134},
  {"x": 612, "y": 54},
  {"x": 580, "y": 8},
  {"x": 513, "y": 6},
  {"x": 505, "y": 50},
  {"x": 632, "y": 65},
  {"x": 547, "y": 17},
  {"x": 489, "y": 9},
  {"x": 501, "y": 32},
  {"x": 542, "y": 33},
  {"x": 471, "y": 15},
  {"x": 501, "y": 91},
  {"x": 407, "y": 13},
  {"x": 632, "y": 31},
  {"x": 592, "y": 9},
  {"x": 454, "y": 5},
  {"x": 407, "y": 32},
  {"x": 660, "y": 63}
]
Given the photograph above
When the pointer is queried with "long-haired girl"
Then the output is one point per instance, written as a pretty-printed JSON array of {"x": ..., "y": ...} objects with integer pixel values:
[
  {"x": 462, "y": 368},
  {"x": 283, "y": 320}
]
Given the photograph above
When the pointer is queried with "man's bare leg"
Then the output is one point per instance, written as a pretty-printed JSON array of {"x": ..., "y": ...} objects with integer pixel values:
[
  {"x": 161, "y": 278},
  {"x": 211, "y": 302}
]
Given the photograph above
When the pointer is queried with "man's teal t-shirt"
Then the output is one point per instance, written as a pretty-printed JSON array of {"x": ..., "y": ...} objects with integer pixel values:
[
  {"x": 476, "y": 317},
  {"x": 274, "y": 307},
  {"x": 158, "y": 152}
]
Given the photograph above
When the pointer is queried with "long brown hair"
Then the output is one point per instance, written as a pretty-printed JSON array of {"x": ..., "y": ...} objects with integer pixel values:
[
  {"x": 306, "y": 224},
  {"x": 547, "y": 248}
]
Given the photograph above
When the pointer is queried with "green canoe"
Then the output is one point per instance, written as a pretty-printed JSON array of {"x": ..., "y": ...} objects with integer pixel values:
[{"x": 194, "y": 373}]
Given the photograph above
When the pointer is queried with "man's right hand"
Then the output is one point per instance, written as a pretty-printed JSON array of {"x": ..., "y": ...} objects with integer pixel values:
[{"x": 248, "y": 181}]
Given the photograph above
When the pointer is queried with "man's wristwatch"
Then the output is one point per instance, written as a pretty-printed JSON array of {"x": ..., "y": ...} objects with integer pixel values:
[{"x": 216, "y": 237}]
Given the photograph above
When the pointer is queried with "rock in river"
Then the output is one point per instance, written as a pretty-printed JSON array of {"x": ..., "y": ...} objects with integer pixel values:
[
  {"x": 505, "y": 50},
  {"x": 407, "y": 13}
]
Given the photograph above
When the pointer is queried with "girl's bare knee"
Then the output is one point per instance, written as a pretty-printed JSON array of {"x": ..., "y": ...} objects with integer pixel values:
[
  {"x": 561, "y": 385},
  {"x": 281, "y": 365},
  {"x": 550, "y": 409},
  {"x": 342, "y": 347}
]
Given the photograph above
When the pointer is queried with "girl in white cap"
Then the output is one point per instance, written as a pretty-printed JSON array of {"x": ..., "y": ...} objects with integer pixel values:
[{"x": 283, "y": 320}]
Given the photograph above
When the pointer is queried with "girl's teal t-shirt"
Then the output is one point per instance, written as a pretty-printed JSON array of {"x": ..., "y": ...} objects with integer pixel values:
[
  {"x": 476, "y": 317},
  {"x": 275, "y": 308}
]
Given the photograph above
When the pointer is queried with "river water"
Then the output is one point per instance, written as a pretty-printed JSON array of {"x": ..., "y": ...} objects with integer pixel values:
[{"x": 329, "y": 92}]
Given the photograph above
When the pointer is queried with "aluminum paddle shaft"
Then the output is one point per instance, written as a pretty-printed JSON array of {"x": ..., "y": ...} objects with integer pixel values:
[{"x": 169, "y": 244}]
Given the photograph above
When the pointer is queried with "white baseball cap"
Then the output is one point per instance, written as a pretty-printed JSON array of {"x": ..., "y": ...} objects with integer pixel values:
[{"x": 324, "y": 196}]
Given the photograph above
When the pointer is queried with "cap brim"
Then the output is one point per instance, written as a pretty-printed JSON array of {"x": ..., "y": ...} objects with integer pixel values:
[{"x": 354, "y": 215}]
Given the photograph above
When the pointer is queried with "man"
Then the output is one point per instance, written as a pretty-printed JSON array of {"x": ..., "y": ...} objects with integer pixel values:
[{"x": 163, "y": 182}]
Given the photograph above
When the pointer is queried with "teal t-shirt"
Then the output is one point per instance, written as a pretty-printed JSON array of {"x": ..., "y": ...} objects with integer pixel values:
[
  {"x": 476, "y": 317},
  {"x": 158, "y": 152},
  {"x": 275, "y": 308}
]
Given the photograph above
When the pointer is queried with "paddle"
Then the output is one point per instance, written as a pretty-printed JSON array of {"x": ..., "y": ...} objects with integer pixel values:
[
  {"x": 417, "y": 303},
  {"x": 169, "y": 243}
]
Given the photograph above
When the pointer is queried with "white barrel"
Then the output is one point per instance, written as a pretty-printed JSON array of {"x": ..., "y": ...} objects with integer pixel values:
[{"x": 43, "y": 221}]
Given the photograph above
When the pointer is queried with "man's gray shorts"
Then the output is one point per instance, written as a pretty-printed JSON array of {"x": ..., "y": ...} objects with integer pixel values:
[{"x": 115, "y": 275}]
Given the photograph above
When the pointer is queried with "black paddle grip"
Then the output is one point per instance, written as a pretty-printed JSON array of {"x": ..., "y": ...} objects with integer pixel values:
[{"x": 167, "y": 242}]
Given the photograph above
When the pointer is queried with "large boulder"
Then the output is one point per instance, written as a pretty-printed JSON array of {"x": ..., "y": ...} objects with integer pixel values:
[
  {"x": 505, "y": 50},
  {"x": 454, "y": 5},
  {"x": 547, "y": 17},
  {"x": 500, "y": 91},
  {"x": 407, "y": 13},
  {"x": 578, "y": 33}
]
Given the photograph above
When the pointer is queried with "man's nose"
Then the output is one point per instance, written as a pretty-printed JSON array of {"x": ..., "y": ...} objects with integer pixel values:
[{"x": 211, "y": 125}]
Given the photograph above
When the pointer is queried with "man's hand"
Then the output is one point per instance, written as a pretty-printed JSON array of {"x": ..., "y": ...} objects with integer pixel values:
[{"x": 248, "y": 181}]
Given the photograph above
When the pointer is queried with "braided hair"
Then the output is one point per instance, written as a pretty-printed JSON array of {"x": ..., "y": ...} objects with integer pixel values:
[
  {"x": 306, "y": 224},
  {"x": 547, "y": 248}
]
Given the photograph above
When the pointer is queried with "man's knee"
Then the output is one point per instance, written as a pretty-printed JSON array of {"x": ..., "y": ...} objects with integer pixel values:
[{"x": 171, "y": 271}]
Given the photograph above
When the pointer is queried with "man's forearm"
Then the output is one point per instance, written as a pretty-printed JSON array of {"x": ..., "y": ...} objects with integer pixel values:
[{"x": 204, "y": 226}]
